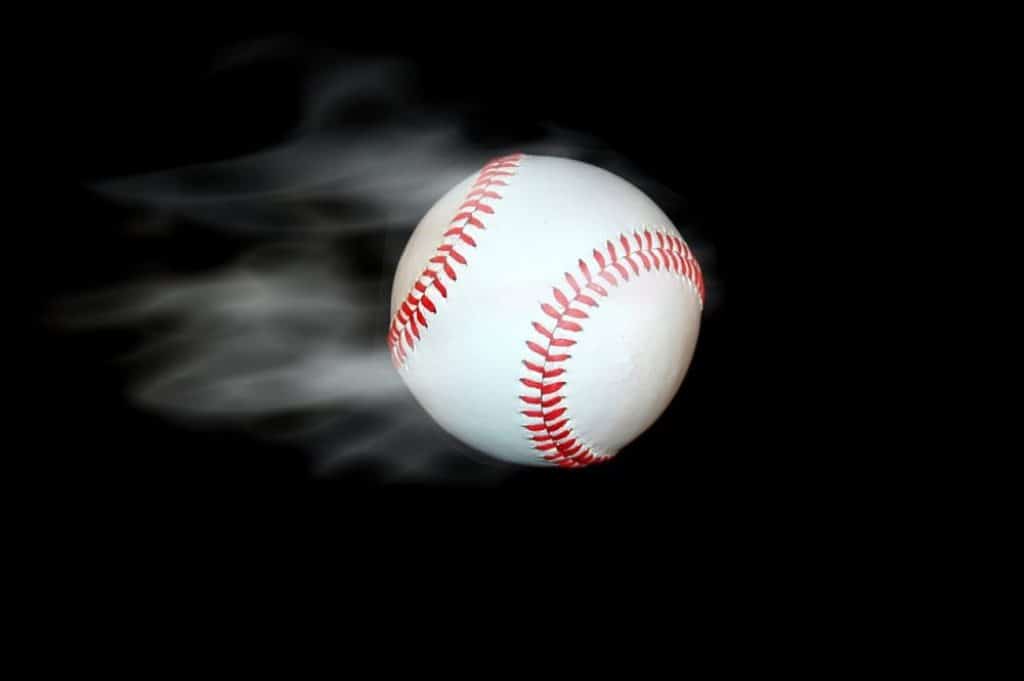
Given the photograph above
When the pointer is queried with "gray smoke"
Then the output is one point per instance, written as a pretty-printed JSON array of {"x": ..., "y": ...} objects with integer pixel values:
[{"x": 295, "y": 325}]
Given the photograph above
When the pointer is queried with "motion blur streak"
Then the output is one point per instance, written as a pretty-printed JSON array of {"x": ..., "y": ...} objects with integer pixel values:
[{"x": 294, "y": 325}]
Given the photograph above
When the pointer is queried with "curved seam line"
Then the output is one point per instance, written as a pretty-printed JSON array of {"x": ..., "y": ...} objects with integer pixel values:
[
  {"x": 549, "y": 423},
  {"x": 409, "y": 318}
]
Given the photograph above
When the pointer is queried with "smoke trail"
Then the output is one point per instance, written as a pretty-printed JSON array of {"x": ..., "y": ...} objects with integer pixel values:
[{"x": 294, "y": 323}]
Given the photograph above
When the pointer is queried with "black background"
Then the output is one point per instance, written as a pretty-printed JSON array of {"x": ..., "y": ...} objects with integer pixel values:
[
  {"x": 725, "y": 508},
  {"x": 709, "y": 115}
]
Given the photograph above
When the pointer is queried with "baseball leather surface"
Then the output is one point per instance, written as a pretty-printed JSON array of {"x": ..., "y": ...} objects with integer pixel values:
[{"x": 545, "y": 311}]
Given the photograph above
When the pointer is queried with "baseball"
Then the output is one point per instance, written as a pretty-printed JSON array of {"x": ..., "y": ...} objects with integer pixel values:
[{"x": 545, "y": 311}]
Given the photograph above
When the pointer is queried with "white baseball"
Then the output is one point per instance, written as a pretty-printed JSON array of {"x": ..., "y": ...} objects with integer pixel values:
[{"x": 545, "y": 311}]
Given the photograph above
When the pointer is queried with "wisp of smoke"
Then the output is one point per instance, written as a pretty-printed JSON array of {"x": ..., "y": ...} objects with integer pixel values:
[{"x": 295, "y": 324}]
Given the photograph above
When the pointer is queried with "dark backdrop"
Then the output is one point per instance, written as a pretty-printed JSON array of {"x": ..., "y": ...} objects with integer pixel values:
[{"x": 699, "y": 121}]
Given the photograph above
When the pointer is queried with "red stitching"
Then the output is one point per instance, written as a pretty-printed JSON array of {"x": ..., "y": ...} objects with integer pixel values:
[
  {"x": 406, "y": 325},
  {"x": 554, "y": 439}
]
